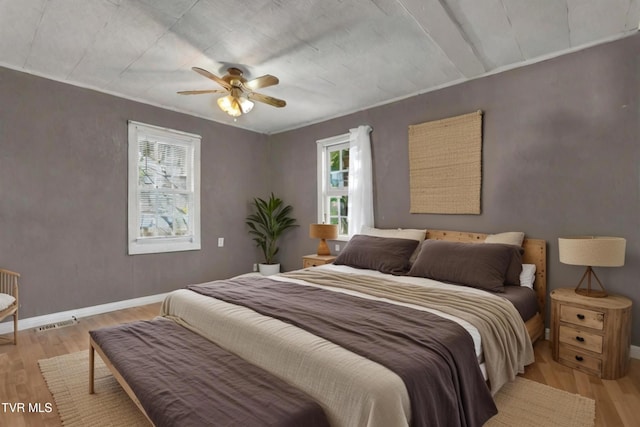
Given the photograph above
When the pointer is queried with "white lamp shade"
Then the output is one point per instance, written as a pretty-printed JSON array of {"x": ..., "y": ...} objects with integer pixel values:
[{"x": 593, "y": 251}]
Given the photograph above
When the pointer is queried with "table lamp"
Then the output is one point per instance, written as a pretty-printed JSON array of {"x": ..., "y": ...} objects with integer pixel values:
[
  {"x": 323, "y": 232},
  {"x": 592, "y": 251}
]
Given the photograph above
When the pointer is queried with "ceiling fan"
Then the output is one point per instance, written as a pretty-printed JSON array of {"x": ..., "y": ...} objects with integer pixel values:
[{"x": 239, "y": 90}]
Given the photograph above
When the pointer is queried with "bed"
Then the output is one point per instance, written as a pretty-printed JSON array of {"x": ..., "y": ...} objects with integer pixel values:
[{"x": 358, "y": 376}]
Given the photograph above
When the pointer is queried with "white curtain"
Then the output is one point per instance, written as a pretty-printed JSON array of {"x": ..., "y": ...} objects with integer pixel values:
[{"x": 360, "y": 206}]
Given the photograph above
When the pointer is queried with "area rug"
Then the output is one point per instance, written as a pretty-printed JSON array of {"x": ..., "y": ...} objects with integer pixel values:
[
  {"x": 520, "y": 403},
  {"x": 67, "y": 378},
  {"x": 527, "y": 403}
]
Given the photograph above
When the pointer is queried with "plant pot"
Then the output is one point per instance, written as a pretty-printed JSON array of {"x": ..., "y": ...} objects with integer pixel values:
[{"x": 269, "y": 269}]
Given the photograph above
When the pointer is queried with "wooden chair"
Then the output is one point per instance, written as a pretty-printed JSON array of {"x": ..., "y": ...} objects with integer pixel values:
[{"x": 9, "y": 299}]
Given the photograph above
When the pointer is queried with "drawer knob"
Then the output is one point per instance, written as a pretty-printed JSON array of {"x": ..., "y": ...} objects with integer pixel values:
[
  {"x": 579, "y": 358},
  {"x": 579, "y": 338},
  {"x": 580, "y": 316}
]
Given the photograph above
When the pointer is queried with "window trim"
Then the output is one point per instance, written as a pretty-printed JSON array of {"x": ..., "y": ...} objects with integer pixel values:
[
  {"x": 322, "y": 178},
  {"x": 146, "y": 245}
]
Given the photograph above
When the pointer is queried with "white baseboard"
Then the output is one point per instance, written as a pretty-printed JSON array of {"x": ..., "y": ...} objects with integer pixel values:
[
  {"x": 634, "y": 352},
  {"x": 34, "y": 322}
]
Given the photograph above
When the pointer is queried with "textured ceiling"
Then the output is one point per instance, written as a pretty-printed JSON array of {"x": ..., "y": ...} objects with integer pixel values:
[{"x": 332, "y": 57}]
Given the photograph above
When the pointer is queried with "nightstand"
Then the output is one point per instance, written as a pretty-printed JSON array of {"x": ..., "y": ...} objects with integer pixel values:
[
  {"x": 314, "y": 260},
  {"x": 592, "y": 335}
]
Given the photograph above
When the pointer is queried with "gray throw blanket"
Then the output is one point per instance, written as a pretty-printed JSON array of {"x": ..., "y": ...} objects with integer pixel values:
[
  {"x": 434, "y": 356},
  {"x": 505, "y": 341}
]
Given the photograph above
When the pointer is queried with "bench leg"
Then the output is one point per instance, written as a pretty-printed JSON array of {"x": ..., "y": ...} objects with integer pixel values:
[{"x": 91, "y": 368}]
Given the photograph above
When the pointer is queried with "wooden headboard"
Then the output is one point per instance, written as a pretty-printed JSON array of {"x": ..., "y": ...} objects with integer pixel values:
[{"x": 535, "y": 252}]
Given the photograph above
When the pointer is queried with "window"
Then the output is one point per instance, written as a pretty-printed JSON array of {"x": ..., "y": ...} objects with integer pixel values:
[
  {"x": 164, "y": 190},
  {"x": 333, "y": 183},
  {"x": 345, "y": 181}
]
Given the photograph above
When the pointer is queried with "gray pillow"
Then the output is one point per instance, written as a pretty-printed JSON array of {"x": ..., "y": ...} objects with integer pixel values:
[
  {"x": 398, "y": 233},
  {"x": 512, "y": 276},
  {"x": 384, "y": 254},
  {"x": 470, "y": 264}
]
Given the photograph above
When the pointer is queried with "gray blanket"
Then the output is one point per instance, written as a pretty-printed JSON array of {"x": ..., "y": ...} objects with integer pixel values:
[
  {"x": 506, "y": 344},
  {"x": 434, "y": 356}
]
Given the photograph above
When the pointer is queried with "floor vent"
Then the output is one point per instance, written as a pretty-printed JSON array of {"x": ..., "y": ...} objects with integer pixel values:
[{"x": 57, "y": 325}]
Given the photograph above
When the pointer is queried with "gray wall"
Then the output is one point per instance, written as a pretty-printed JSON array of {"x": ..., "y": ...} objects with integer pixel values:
[
  {"x": 561, "y": 156},
  {"x": 63, "y": 197}
]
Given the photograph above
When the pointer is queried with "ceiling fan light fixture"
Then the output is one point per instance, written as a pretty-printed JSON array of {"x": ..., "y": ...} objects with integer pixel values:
[
  {"x": 245, "y": 104},
  {"x": 239, "y": 90},
  {"x": 235, "y": 106},
  {"x": 229, "y": 106}
]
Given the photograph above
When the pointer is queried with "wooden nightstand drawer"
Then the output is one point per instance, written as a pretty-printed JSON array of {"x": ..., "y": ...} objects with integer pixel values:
[
  {"x": 579, "y": 360},
  {"x": 582, "y": 316},
  {"x": 581, "y": 338},
  {"x": 316, "y": 260},
  {"x": 310, "y": 263}
]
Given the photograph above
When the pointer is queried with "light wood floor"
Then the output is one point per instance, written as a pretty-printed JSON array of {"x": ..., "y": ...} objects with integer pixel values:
[{"x": 617, "y": 402}]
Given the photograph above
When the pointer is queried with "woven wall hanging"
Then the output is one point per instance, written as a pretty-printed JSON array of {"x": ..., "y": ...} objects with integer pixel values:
[{"x": 445, "y": 165}]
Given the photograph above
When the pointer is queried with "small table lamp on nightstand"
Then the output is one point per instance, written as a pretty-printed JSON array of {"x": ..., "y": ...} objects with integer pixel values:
[
  {"x": 323, "y": 232},
  {"x": 592, "y": 251}
]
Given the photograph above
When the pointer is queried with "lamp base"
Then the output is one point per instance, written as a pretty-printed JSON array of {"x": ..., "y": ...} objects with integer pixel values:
[
  {"x": 323, "y": 249},
  {"x": 590, "y": 292}
]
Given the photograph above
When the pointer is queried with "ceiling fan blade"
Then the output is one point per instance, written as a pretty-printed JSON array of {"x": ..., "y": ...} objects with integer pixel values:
[
  {"x": 262, "y": 81},
  {"x": 266, "y": 99},
  {"x": 211, "y": 76},
  {"x": 198, "y": 92}
]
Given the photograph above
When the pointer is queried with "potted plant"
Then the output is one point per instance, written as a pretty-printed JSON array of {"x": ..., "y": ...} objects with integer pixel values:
[{"x": 270, "y": 219}]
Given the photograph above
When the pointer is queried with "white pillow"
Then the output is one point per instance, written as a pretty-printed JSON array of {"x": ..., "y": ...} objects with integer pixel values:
[
  {"x": 509, "y": 238},
  {"x": 528, "y": 275},
  {"x": 398, "y": 233},
  {"x": 6, "y": 300}
]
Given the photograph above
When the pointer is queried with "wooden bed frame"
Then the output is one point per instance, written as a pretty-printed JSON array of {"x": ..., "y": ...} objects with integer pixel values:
[{"x": 535, "y": 252}]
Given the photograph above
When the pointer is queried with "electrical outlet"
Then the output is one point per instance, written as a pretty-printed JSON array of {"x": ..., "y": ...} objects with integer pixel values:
[
  {"x": 255, "y": 267},
  {"x": 220, "y": 242},
  {"x": 337, "y": 248}
]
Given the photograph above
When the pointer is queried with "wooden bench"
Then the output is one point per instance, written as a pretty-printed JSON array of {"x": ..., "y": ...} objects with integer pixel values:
[{"x": 177, "y": 377}]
